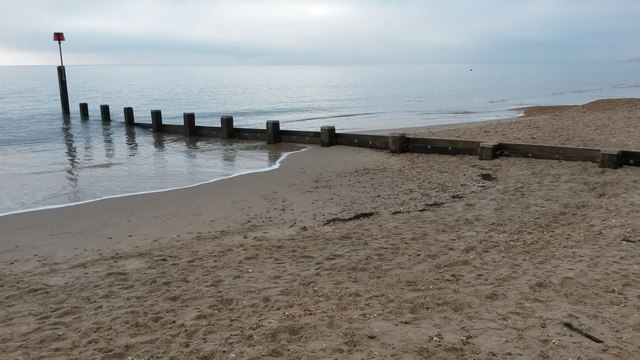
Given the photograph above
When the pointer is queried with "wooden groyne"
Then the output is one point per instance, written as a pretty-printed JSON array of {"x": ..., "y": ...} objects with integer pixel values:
[{"x": 394, "y": 142}]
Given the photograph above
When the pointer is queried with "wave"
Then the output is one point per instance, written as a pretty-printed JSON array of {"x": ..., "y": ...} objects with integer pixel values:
[
  {"x": 626, "y": 86},
  {"x": 451, "y": 112},
  {"x": 85, "y": 167},
  {"x": 331, "y": 117},
  {"x": 580, "y": 91}
]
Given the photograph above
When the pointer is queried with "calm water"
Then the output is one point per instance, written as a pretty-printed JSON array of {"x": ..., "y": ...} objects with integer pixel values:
[{"x": 47, "y": 160}]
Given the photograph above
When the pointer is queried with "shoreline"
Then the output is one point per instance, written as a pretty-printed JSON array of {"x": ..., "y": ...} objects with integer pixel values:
[
  {"x": 86, "y": 226},
  {"x": 417, "y": 131},
  {"x": 53, "y": 207},
  {"x": 274, "y": 167}
]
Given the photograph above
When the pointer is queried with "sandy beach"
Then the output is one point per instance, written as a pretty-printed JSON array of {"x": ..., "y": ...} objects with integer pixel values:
[{"x": 348, "y": 253}]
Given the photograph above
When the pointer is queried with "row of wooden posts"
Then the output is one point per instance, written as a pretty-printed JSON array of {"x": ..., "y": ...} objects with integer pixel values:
[
  {"x": 227, "y": 130},
  {"x": 395, "y": 142}
]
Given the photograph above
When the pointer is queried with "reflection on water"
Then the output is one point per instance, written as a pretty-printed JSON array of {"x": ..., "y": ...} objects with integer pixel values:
[
  {"x": 274, "y": 153},
  {"x": 132, "y": 144},
  {"x": 71, "y": 153},
  {"x": 159, "y": 141},
  {"x": 229, "y": 156},
  {"x": 192, "y": 142},
  {"x": 107, "y": 134},
  {"x": 85, "y": 127},
  {"x": 191, "y": 147},
  {"x": 91, "y": 160}
]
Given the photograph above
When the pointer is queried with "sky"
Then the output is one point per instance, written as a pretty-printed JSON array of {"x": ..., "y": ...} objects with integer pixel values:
[{"x": 222, "y": 32}]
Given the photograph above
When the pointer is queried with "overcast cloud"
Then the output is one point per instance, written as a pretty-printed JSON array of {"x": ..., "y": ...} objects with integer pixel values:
[{"x": 318, "y": 32}]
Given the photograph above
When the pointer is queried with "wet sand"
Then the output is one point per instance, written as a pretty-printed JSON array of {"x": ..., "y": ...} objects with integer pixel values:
[{"x": 347, "y": 253}]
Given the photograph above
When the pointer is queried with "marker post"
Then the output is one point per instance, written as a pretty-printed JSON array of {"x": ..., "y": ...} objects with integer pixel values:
[{"x": 62, "y": 76}]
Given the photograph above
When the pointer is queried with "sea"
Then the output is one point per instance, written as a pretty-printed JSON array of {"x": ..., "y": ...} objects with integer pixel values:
[{"x": 49, "y": 160}]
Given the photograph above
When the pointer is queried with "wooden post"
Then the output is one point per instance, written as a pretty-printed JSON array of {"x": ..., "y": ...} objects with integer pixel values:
[
  {"x": 105, "y": 114},
  {"x": 62, "y": 84},
  {"x": 610, "y": 158},
  {"x": 128, "y": 116},
  {"x": 327, "y": 136},
  {"x": 273, "y": 132},
  {"x": 84, "y": 111},
  {"x": 488, "y": 151},
  {"x": 396, "y": 142},
  {"x": 156, "y": 120},
  {"x": 189, "y": 124},
  {"x": 226, "y": 124}
]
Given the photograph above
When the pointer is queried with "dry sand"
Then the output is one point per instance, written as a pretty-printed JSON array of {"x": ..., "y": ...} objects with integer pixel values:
[{"x": 452, "y": 258}]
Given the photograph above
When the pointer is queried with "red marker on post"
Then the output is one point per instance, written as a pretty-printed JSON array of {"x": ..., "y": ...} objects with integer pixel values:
[{"x": 59, "y": 37}]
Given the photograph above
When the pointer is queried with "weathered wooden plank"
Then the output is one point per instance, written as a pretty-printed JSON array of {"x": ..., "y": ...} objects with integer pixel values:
[
  {"x": 143, "y": 126},
  {"x": 361, "y": 140},
  {"x": 432, "y": 149},
  {"x": 442, "y": 146},
  {"x": 251, "y": 134},
  {"x": 208, "y": 131},
  {"x": 445, "y": 143},
  {"x": 300, "y": 133},
  {"x": 549, "y": 152},
  {"x": 173, "y": 129},
  {"x": 300, "y": 137}
]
